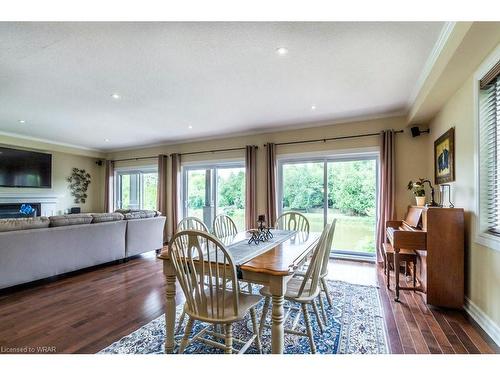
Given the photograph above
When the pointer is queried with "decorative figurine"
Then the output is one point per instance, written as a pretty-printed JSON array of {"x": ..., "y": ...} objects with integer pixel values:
[{"x": 262, "y": 233}]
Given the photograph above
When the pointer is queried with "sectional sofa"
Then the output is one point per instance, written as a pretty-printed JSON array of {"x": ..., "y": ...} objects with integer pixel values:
[{"x": 37, "y": 248}]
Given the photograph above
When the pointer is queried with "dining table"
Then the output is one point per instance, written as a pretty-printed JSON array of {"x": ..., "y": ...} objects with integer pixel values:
[{"x": 272, "y": 263}]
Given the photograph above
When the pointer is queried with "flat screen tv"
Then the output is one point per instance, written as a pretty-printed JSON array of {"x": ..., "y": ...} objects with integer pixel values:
[{"x": 25, "y": 169}]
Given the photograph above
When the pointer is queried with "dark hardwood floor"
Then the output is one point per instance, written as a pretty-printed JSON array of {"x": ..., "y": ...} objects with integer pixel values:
[
  {"x": 86, "y": 312},
  {"x": 417, "y": 328}
]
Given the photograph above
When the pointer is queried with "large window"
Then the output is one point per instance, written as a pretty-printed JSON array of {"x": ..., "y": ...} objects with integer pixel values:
[
  {"x": 489, "y": 157},
  {"x": 210, "y": 190},
  {"x": 344, "y": 188},
  {"x": 136, "y": 188}
]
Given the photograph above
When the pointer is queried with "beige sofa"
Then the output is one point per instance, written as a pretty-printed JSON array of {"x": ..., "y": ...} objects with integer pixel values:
[{"x": 33, "y": 254}]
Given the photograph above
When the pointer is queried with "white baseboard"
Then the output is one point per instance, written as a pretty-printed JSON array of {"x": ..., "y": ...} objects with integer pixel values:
[{"x": 484, "y": 321}]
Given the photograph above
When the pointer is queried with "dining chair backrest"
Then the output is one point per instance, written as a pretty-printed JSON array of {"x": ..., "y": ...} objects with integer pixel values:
[
  {"x": 292, "y": 221},
  {"x": 329, "y": 241},
  {"x": 224, "y": 226},
  {"x": 191, "y": 222},
  {"x": 206, "y": 274},
  {"x": 310, "y": 282}
]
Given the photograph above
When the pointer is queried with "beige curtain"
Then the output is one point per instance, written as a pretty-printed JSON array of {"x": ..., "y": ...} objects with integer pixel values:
[
  {"x": 175, "y": 198},
  {"x": 109, "y": 186},
  {"x": 251, "y": 187},
  {"x": 162, "y": 189},
  {"x": 387, "y": 186},
  {"x": 271, "y": 183}
]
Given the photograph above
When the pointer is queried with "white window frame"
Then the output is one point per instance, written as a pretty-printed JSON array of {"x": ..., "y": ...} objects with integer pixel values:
[
  {"x": 481, "y": 236},
  {"x": 369, "y": 153},
  {"x": 189, "y": 166},
  {"x": 141, "y": 170}
]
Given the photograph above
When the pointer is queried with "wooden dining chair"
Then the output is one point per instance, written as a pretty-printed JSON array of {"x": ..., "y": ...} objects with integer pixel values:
[
  {"x": 292, "y": 220},
  {"x": 188, "y": 223},
  {"x": 224, "y": 226},
  {"x": 304, "y": 291},
  {"x": 324, "y": 272},
  {"x": 194, "y": 255},
  {"x": 192, "y": 222},
  {"x": 323, "y": 275}
]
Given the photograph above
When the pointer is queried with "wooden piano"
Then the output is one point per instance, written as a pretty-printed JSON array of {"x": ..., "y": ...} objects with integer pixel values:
[{"x": 436, "y": 235}]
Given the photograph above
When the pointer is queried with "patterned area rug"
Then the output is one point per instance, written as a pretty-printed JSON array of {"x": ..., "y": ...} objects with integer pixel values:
[{"x": 355, "y": 326}]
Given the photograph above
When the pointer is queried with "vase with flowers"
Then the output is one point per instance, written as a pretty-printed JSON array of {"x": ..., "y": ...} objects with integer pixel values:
[{"x": 418, "y": 190}]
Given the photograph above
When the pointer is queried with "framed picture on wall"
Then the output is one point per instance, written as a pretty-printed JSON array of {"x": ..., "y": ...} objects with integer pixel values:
[{"x": 444, "y": 158}]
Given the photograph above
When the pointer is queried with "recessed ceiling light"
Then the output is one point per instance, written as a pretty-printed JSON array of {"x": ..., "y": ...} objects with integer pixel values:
[
  {"x": 313, "y": 107},
  {"x": 22, "y": 121},
  {"x": 106, "y": 140},
  {"x": 116, "y": 96},
  {"x": 282, "y": 51},
  {"x": 190, "y": 126}
]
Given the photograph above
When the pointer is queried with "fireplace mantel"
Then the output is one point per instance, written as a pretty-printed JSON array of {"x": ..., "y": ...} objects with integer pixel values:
[{"x": 48, "y": 202}]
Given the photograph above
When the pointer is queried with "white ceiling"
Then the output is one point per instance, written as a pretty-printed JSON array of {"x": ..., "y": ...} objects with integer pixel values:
[{"x": 219, "y": 78}]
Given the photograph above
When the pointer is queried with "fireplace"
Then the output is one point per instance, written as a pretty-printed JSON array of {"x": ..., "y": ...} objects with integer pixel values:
[{"x": 13, "y": 210}]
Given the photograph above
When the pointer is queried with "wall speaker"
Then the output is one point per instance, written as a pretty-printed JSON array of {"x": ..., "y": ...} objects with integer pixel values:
[{"x": 415, "y": 131}]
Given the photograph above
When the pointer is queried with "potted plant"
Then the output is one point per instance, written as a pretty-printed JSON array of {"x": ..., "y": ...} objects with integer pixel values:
[{"x": 418, "y": 190}]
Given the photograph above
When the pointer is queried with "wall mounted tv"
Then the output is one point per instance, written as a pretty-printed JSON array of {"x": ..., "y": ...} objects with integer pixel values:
[{"x": 25, "y": 169}]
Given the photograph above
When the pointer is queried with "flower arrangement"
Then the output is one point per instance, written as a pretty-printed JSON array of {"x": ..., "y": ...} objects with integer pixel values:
[{"x": 417, "y": 187}]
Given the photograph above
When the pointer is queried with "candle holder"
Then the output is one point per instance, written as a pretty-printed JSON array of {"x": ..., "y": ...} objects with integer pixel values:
[{"x": 262, "y": 233}]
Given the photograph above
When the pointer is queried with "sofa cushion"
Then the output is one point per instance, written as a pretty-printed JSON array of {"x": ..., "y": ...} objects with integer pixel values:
[
  {"x": 9, "y": 225},
  {"x": 140, "y": 214},
  {"x": 72, "y": 219},
  {"x": 133, "y": 215},
  {"x": 105, "y": 217},
  {"x": 123, "y": 211}
]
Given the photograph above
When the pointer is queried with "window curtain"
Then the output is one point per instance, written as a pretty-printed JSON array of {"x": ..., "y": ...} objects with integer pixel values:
[
  {"x": 387, "y": 186},
  {"x": 161, "y": 204},
  {"x": 175, "y": 198},
  {"x": 109, "y": 186},
  {"x": 251, "y": 187},
  {"x": 271, "y": 183}
]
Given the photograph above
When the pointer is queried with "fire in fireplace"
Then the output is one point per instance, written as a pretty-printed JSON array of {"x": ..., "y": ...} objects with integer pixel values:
[{"x": 16, "y": 210}]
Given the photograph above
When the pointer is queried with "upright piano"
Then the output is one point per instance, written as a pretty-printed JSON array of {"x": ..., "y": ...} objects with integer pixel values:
[{"x": 437, "y": 237}]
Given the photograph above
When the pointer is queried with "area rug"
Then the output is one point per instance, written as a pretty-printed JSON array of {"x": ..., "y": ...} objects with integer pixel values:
[{"x": 355, "y": 326}]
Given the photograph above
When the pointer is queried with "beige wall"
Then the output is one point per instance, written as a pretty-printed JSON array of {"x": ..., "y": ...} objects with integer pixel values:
[
  {"x": 482, "y": 263},
  {"x": 411, "y": 158},
  {"x": 63, "y": 160}
]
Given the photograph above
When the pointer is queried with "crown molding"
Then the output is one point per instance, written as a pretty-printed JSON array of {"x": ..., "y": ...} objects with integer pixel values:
[{"x": 50, "y": 142}]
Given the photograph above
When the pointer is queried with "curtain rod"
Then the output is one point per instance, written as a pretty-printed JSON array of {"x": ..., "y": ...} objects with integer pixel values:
[
  {"x": 209, "y": 151},
  {"x": 332, "y": 138},
  {"x": 133, "y": 159},
  {"x": 186, "y": 153}
]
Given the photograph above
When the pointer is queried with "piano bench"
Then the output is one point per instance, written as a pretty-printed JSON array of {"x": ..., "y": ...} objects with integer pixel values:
[{"x": 405, "y": 255}]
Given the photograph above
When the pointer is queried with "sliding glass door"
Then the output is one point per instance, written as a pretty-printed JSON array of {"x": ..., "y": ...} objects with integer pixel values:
[
  {"x": 304, "y": 191},
  {"x": 342, "y": 188},
  {"x": 210, "y": 190}
]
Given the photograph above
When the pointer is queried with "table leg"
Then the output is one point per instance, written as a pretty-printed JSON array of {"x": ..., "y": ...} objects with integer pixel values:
[
  {"x": 169, "y": 272},
  {"x": 278, "y": 288}
]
